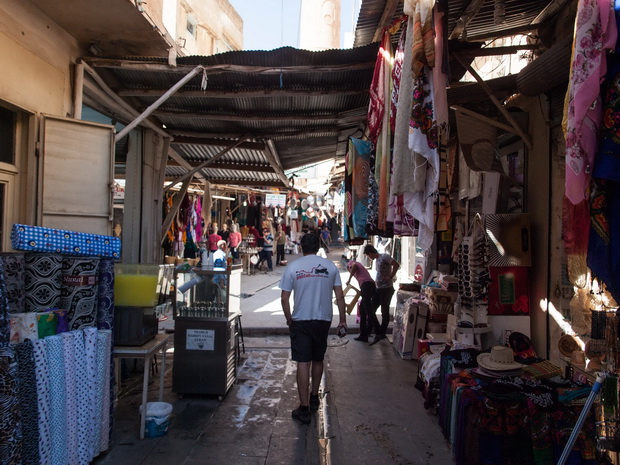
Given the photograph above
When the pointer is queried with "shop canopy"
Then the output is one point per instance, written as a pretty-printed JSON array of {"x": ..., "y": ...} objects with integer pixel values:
[{"x": 245, "y": 117}]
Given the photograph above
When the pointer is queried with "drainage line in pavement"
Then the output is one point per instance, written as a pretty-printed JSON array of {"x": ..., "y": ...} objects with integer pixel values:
[{"x": 323, "y": 427}]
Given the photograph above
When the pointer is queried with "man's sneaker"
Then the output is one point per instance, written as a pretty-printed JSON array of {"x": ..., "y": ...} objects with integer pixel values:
[
  {"x": 302, "y": 416},
  {"x": 315, "y": 402}
]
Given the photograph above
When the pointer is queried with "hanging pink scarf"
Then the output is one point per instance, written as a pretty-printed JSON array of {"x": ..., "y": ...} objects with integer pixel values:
[
  {"x": 595, "y": 33},
  {"x": 376, "y": 108}
]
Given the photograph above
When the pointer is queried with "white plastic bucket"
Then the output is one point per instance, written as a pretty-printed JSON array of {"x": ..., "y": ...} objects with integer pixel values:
[{"x": 157, "y": 418}]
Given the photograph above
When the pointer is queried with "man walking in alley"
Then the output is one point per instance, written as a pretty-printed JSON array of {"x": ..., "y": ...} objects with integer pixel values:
[
  {"x": 312, "y": 280},
  {"x": 386, "y": 268}
]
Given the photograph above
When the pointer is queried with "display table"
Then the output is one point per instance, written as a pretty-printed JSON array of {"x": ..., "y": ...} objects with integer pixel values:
[{"x": 146, "y": 352}]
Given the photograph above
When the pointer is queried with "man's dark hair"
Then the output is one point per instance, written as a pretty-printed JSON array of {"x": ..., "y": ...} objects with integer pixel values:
[
  {"x": 310, "y": 243},
  {"x": 369, "y": 249}
]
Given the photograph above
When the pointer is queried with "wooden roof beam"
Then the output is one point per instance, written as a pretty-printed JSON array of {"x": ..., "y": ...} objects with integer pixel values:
[
  {"x": 470, "y": 12},
  {"x": 386, "y": 19},
  {"x": 522, "y": 134},
  {"x": 271, "y": 153}
]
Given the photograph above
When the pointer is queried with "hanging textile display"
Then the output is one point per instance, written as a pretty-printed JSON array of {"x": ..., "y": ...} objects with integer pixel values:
[
  {"x": 10, "y": 418},
  {"x": 79, "y": 290},
  {"x": 604, "y": 247},
  {"x": 58, "y": 395},
  {"x": 402, "y": 155},
  {"x": 357, "y": 162},
  {"x": 105, "y": 294},
  {"x": 595, "y": 34},
  {"x": 416, "y": 162},
  {"x": 43, "y": 280},
  {"x": 14, "y": 265},
  {"x": 5, "y": 322},
  {"x": 28, "y": 400},
  {"x": 104, "y": 351},
  {"x": 379, "y": 135},
  {"x": 43, "y": 401}
]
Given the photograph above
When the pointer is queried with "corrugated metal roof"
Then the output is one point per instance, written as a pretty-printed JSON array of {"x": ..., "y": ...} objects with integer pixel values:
[
  {"x": 518, "y": 14},
  {"x": 305, "y": 102}
]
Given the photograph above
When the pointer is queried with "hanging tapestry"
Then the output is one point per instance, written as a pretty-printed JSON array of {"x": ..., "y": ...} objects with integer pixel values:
[
  {"x": 43, "y": 280},
  {"x": 595, "y": 34},
  {"x": 105, "y": 295},
  {"x": 423, "y": 48},
  {"x": 79, "y": 291},
  {"x": 402, "y": 155},
  {"x": 357, "y": 163},
  {"x": 607, "y": 161},
  {"x": 14, "y": 264},
  {"x": 27, "y": 388},
  {"x": 604, "y": 247},
  {"x": 376, "y": 107}
]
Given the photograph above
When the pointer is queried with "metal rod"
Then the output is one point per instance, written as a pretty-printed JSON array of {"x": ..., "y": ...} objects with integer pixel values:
[
  {"x": 596, "y": 387},
  {"x": 158, "y": 102}
]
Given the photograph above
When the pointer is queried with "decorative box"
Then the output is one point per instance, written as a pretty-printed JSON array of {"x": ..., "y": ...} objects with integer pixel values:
[{"x": 40, "y": 239}]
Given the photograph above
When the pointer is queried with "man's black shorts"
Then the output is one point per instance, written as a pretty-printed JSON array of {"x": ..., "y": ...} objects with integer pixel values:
[{"x": 309, "y": 340}]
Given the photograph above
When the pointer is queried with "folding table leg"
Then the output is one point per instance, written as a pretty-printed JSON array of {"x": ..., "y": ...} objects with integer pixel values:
[{"x": 145, "y": 390}]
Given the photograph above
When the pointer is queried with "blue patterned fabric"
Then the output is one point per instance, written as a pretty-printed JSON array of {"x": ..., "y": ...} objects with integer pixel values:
[
  {"x": 82, "y": 401},
  {"x": 78, "y": 293},
  {"x": 105, "y": 295},
  {"x": 43, "y": 280},
  {"x": 43, "y": 401},
  {"x": 10, "y": 421},
  {"x": 5, "y": 321},
  {"x": 58, "y": 409},
  {"x": 14, "y": 266},
  {"x": 27, "y": 389},
  {"x": 104, "y": 352},
  {"x": 90, "y": 367},
  {"x": 37, "y": 238},
  {"x": 69, "y": 355}
]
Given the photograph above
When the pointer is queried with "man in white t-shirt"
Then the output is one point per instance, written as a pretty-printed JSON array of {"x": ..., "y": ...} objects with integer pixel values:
[{"x": 312, "y": 280}]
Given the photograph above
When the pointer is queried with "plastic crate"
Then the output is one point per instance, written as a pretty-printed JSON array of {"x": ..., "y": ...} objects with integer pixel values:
[{"x": 134, "y": 326}]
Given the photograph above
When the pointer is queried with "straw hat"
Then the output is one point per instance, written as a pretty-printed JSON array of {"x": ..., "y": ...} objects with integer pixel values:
[{"x": 501, "y": 358}]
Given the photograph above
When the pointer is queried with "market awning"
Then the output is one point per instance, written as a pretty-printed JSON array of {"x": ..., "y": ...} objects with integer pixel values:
[{"x": 293, "y": 107}]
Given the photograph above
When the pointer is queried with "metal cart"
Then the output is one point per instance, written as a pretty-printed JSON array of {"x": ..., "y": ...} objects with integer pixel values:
[{"x": 206, "y": 331}]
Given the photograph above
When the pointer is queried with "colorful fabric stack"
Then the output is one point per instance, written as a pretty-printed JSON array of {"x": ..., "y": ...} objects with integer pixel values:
[{"x": 40, "y": 239}]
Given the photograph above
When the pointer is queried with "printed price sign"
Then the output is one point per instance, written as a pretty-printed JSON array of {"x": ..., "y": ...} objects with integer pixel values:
[
  {"x": 275, "y": 200},
  {"x": 200, "y": 339}
]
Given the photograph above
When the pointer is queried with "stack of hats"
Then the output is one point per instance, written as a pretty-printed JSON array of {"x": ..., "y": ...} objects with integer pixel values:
[{"x": 498, "y": 363}]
